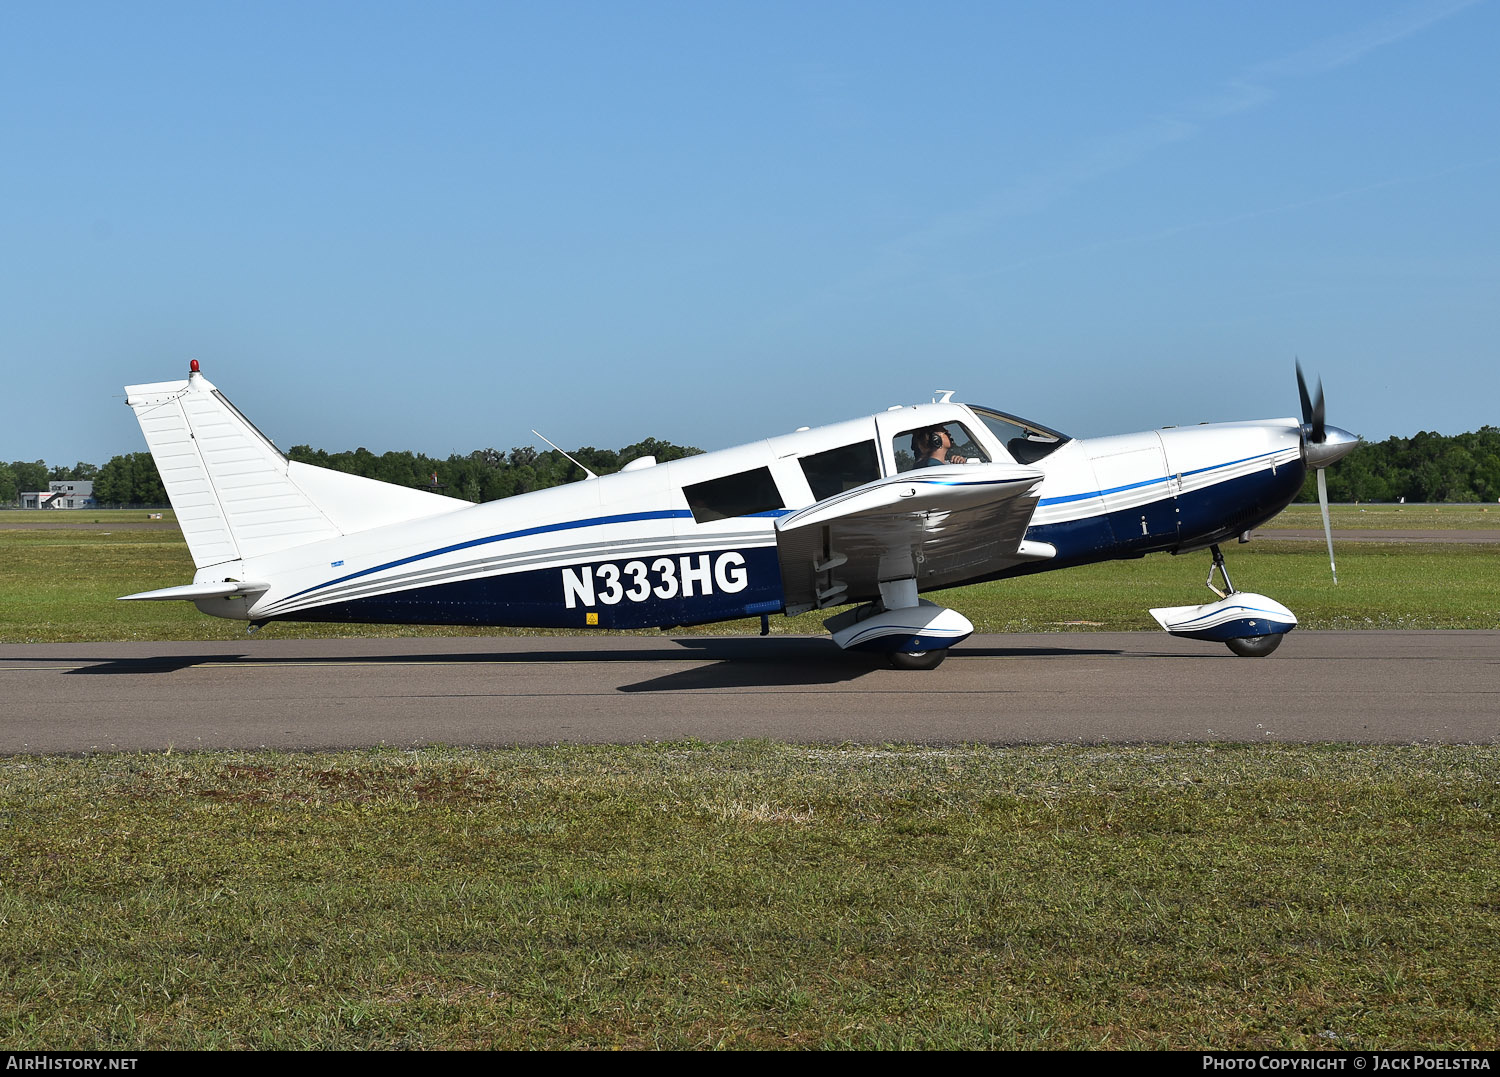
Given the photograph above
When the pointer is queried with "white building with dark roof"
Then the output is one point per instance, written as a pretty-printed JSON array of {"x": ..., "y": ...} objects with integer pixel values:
[{"x": 62, "y": 494}]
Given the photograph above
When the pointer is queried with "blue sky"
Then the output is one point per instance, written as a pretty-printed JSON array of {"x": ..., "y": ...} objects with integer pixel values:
[{"x": 437, "y": 226}]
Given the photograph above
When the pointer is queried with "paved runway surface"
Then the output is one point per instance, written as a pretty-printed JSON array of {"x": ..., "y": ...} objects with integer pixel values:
[{"x": 1374, "y": 687}]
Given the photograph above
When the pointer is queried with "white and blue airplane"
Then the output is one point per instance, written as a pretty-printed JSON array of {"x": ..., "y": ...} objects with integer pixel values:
[{"x": 870, "y": 512}]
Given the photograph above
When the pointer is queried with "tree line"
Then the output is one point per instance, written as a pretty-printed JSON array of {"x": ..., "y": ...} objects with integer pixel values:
[
  {"x": 488, "y": 474},
  {"x": 482, "y": 475},
  {"x": 1425, "y": 467}
]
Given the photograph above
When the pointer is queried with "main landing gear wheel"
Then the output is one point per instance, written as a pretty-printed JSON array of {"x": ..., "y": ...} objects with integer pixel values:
[
  {"x": 1255, "y": 646},
  {"x": 918, "y": 659}
]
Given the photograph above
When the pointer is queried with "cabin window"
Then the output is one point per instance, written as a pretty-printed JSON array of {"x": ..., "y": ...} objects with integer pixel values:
[
  {"x": 938, "y": 443},
  {"x": 744, "y": 494},
  {"x": 836, "y": 470}
]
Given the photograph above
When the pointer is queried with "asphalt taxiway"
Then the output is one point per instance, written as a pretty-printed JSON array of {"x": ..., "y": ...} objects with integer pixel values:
[{"x": 1127, "y": 687}]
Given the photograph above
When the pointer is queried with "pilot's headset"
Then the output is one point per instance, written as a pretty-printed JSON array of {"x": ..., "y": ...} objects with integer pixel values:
[{"x": 927, "y": 441}]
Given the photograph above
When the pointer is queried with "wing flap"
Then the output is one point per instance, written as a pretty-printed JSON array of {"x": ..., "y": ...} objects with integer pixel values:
[{"x": 941, "y": 525}]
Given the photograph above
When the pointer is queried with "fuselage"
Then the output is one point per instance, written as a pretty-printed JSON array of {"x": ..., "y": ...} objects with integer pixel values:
[{"x": 694, "y": 540}]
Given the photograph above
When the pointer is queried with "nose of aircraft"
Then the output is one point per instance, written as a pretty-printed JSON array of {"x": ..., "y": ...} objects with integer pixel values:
[{"x": 1334, "y": 446}]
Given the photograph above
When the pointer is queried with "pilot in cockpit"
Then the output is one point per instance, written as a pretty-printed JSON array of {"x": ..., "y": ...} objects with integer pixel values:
[{"x": 934, "y": 446}]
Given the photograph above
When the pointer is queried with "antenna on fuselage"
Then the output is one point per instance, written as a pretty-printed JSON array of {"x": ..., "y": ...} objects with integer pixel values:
[
  {"x": 943, "y": 396},
  {"x": 586, "y": 471}
]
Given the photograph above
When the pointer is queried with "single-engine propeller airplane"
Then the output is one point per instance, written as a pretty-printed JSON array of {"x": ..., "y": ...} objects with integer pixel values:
[{"x": 871, "y": 512}]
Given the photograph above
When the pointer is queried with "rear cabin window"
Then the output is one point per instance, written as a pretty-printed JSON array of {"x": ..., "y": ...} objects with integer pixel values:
[
  {"x": 836, "y": 470},
  {"x": 744, "y": 494}
]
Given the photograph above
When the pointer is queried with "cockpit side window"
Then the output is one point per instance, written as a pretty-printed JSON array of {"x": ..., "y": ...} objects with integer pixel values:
[
  {"x": 941, "y": 443},
  {"x": 1025, "y": 441},
  {"x": 836, "y": 470}
]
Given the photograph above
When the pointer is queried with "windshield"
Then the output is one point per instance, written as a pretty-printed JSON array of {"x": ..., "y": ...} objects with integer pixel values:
[{"x": 1026, "y": 441}]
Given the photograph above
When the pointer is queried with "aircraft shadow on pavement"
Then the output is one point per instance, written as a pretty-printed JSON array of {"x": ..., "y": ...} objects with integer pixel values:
[
  {"x": 762, "y": 663},
  {"x": 739, "y": 662},
  {"x": 758, "y": 663},
  {"x": 735, "y": 662},
  {"x": 170, "y": 663}
]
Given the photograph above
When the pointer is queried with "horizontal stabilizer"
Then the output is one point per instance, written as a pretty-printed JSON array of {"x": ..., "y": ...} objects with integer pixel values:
[{"x": 190, "y": 592}]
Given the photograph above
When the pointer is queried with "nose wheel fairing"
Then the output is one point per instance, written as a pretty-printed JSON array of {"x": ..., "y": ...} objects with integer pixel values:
[
  {"x": 1241, "y": 615},
  {"x": 1237, "y": 615}
]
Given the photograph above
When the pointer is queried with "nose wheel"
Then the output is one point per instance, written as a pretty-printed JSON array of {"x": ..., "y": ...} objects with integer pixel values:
[
  {"x": 918, "y": 659},
  {"x": 1255, "y": 646}
]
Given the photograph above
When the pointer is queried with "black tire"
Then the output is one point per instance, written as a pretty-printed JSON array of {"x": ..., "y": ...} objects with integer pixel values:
[
  {"x": 918, "y": 659},
  {"x": 1255, "y": 646}
]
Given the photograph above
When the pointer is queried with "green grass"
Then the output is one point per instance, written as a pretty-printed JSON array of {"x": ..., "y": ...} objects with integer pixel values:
[
  {"x": 1381, "y": 585},
  {"x": 1391, "y": 517},
  {"x": 58, "y": 585},
  {"x": 32, "y": 518},
  {"x": 752, "y": 895}
]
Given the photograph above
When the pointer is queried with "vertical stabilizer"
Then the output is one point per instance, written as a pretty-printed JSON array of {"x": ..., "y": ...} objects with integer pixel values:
[{"x": 236, "y": 495}]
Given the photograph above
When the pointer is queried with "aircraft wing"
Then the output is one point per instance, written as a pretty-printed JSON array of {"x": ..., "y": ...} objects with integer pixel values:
[{"x": 942, "y": 525}]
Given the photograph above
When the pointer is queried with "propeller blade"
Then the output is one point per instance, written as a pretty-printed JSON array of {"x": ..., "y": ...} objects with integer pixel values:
[
  {"x": 1319, "y": 431},
  {"x": 1312, "y": 409},
  {"x": 1327, "y": 527}
]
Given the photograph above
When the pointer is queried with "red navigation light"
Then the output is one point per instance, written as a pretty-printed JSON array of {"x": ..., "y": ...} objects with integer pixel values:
[{"x": 193, "y": 365}]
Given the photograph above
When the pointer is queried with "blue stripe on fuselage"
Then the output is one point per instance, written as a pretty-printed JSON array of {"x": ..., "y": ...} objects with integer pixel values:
[
  {"x": 1212, "y": 514},
  {"x": 1068, "y": 498},
  {"x": 623, "y": 518},
  {"x": 571, "y": 525}
]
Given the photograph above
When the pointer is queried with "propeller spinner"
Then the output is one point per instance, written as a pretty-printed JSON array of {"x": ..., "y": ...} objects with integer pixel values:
[{"x": 1321, "y": 444}]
